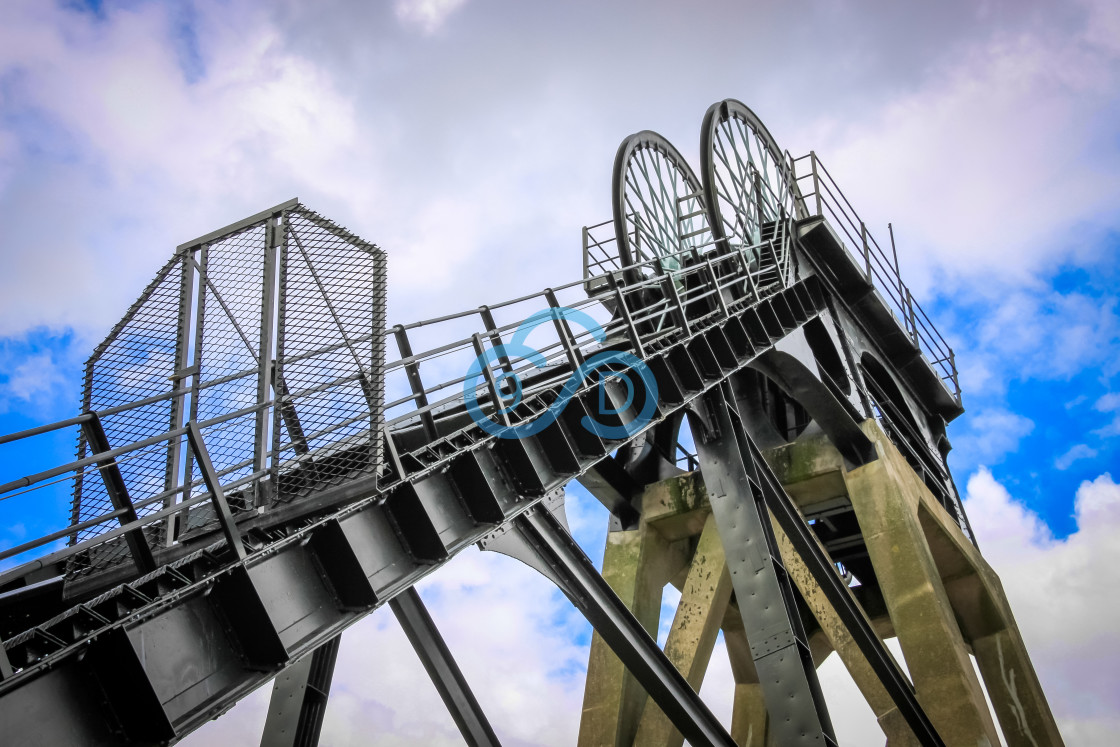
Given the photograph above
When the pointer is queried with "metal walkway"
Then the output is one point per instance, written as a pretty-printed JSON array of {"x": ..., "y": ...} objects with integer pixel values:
[{"x": 169, "y": 606}]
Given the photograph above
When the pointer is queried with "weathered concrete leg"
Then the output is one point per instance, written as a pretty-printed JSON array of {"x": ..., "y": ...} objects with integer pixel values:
[
  {"x": 749, "y": 719},
  {"x": 636, "y": 565},
  {"x": 1015, "y": 691},
  {"x": 891, "y": 721},
  {"x": 886, "y": 499},
  {"x": 704, "y": 598},
  {"x": 748, "y": 716},
  {"x": 988, "y": 623}
]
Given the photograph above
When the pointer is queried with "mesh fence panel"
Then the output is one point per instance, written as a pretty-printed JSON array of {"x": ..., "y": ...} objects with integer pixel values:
[
  {"x": 329, "y": 360},
  {"x": 134, "y": 363},
  {"x": 227, "y": 347},
  {"x": 202, "y": 325}
]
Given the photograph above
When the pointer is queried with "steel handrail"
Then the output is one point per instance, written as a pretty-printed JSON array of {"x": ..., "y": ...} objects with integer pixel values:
[
  {"x": 719, "y": 272},
  {"x": 826, "y": 195}
]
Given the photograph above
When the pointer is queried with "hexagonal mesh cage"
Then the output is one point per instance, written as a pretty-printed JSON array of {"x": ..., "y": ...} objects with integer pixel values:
[{"x": 268, "y": 336}]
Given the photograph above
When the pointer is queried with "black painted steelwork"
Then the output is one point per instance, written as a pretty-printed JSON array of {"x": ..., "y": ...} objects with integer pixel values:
[
  {"x": 766, "y": 597},
  {"x": 299, "y": 699},
  {"x": 308, "y": 512},
  {"x": 539, "y": 539},
  {"x": 441, "y": 667},
  {"x": 840, "y": 596}
]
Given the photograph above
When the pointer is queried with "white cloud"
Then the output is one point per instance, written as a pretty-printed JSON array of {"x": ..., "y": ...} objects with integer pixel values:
[
  {"x": 992, "y": 434},
  {"x": 35, "y": 376},
  {"x": 427, "y": 15},
  {"x": 1109, "y": 403},
  {"x": 1076, "y": 452},
  {"x": 1058, "y": 590},
  {"x": 120, "y": 157},
  {"x": 34, "y": 380},
  {"x": 987, "y": 165},
  {"x": 1004, "y": 335}
]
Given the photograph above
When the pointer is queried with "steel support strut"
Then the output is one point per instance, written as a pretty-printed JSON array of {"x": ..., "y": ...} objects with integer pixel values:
[
  {"x": 763, "y": 589},
  {"x": 538, "y": 539},
  {"x": 840, "y": 597},
  {"x": 441, "y": 667},
  {"x": 769, "y": 497},
  {"x": 299, "y": 699}
]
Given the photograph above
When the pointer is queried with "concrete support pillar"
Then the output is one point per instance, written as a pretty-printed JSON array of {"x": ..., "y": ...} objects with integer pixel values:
[
  {"x": 1015, "y": 691},
  {"x": 704, "y": 598},
  {"x": 885, "y": 495},
  {"x": 637, "y": 564},
  {"x": 749, "y": 719}
]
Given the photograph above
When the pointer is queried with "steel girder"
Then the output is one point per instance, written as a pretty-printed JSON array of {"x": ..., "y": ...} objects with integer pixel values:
[
  {"x": 299, "y": 699},
  {"x": 744, "y": 492},
  {"x": 538, "y": 539},
  {"x": 441, "y": 667}
]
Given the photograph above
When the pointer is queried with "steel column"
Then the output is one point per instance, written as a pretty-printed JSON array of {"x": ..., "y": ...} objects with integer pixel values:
[
  {"x": 179, "y": 401},
  {"x": 273, "y": 237},
  {"x": 299, "y": 699},
  {"x": 765, "y": 594},
  {"x": 785, "y": 512},
  {"x": 540, "y": 540},
  {"x": 441, "y": 667}
]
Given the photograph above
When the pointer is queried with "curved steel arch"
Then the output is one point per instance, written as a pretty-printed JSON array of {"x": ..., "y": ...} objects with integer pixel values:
[
  {"x": 653, "y": 186},
  {"x": 750, "y": 193}
]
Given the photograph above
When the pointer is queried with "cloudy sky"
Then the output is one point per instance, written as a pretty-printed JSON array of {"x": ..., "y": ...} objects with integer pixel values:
[{"x": 473, "y": 138}]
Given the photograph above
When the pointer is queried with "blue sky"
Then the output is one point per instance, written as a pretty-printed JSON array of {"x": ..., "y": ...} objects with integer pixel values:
[{"x": 473, "y": 138}]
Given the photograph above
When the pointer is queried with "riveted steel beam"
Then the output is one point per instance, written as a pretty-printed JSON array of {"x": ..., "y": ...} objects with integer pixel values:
[
  {"x": 765, "y": 594},
  {"x": 299, "y": 699},
  {"x": 441, "y": 667},
  {"x": 539, "y": 539}
]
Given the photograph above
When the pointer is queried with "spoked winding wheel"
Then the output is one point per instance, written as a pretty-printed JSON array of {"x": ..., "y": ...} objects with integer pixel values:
[
  {"x": 751, "y": 195},
  {"x": 658, "y": 203}
]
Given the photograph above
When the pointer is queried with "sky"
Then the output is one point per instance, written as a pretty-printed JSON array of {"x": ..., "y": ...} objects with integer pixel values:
[{"x": 472, "y": 139}]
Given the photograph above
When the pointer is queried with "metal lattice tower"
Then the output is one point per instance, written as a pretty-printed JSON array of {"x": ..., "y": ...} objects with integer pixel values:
[{"x": 740, "y": 376}]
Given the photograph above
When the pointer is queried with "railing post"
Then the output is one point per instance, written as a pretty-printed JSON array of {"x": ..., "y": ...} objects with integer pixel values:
[
  {"x": 747, "y": 273},
  {"x": 624, "y": 311},
  {"x": 495, "y": 336},
  {"x": 669, "y": 285},
  {"x": 816, "y": 181},
  {"x": 791, "y": 163},
  {"x": 913, "y": 319},
  {"x": 217, "y": 496},
  {"x": 716, "y": 287},
  {"x": 953, "y": 368},
  {"x": 491, "y": 380},
  {"x": 894, "y": 253},
  {"x": 412, "y": 371},
  {"x": 575, "y": 357},
  {"x": 585, "y": 264},
  {"x": 866, "y": 251}
]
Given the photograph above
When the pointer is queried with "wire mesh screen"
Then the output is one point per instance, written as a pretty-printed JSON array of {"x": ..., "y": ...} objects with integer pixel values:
[
  {"x": 227, "y": 352},
  {"x": 134, "y": 363},
  {"x": 330, "y": 359},
  {"x": 269, "y": 336}
]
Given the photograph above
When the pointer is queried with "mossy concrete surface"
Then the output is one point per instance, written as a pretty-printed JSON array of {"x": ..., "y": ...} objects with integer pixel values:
[{"x": 944, "y": 602}]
